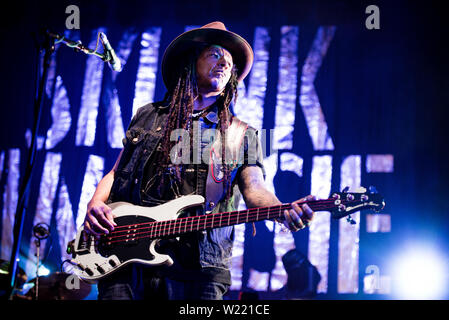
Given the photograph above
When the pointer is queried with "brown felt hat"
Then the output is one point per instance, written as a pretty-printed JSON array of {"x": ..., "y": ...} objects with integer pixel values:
[{"x": 214, "y": 33}]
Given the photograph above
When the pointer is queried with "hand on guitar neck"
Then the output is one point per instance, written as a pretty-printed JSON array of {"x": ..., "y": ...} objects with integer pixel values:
[
  {"x": 127, "y": 233},
  {"x": 100, "y": 219},
  {"x": 299, "y": 216}
]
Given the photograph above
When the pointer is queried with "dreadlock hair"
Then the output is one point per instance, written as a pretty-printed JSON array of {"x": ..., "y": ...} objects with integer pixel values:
[{"x": 181, "y": 99}]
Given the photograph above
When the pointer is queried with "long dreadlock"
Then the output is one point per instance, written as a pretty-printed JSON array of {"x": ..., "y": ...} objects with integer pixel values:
[{"x": 181, "y": 100}]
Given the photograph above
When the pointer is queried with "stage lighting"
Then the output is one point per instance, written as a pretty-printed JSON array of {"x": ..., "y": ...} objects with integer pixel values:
[
  {"x": 420, "y": 273},
  {"x": 43, "y": 271}
]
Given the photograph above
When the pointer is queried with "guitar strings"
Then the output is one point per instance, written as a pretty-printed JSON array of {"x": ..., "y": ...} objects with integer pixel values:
[
  {"x": 179, "y": 223},
  {"x": 240, "y": 212},
  {"x": 160, "y": 228},
  {"x": 287, "y": 205}
]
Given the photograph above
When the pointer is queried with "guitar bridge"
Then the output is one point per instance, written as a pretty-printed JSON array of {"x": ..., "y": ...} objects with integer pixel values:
[{"x": 84, "y": 244}]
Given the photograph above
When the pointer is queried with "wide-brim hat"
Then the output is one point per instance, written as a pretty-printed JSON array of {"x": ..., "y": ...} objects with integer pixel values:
[{"x": 214, "y": 33}]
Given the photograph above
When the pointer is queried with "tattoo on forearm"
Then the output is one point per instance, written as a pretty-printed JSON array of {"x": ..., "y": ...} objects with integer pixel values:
[{"x": 254, "y": 190}]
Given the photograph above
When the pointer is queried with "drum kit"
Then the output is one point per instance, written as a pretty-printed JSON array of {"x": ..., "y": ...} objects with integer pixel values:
[{"x": 51, "y": 287}]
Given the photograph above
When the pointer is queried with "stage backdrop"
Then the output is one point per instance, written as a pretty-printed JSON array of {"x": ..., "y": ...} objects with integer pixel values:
[{"x": 334, "y": 101}]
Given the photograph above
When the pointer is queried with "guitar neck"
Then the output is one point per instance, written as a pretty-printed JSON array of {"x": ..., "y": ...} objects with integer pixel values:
[{"x": 217, "y": 220}]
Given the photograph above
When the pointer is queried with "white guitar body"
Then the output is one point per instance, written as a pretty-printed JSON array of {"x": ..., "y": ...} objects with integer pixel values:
[
  {"x": 93, "y": 265},
  {"x": 139, "y": 229}
]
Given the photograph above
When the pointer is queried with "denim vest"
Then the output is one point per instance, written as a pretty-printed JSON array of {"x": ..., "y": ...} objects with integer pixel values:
[{"x": 142, "y": 138}]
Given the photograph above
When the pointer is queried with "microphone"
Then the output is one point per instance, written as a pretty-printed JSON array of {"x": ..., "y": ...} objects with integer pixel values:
[
  {"x": 112, "y": 59},
  {"x": 41, "y": 230}
]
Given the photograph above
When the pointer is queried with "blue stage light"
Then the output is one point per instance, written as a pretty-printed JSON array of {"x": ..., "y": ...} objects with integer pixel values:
[
  {"x": 43, "y": 271},
  {"x": 420, "y": 272}
]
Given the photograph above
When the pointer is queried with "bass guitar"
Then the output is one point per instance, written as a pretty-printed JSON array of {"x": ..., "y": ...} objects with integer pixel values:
[{"x": 139, "y": 229}]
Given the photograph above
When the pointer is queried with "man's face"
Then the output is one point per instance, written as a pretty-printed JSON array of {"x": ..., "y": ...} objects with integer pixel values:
[{"x": 213, "y": 67}]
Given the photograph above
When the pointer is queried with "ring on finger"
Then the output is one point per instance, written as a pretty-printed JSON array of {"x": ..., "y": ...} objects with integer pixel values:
[
  {"x": 299, "y": 224},
  {"x": 293, "y": 226}
]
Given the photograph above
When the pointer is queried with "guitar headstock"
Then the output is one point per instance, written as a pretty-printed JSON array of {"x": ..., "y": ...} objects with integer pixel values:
[{"x": 348, "y": 202}]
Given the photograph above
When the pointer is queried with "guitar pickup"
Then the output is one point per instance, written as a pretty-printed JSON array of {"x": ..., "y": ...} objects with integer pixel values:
[{"x": 131, "y": 239}]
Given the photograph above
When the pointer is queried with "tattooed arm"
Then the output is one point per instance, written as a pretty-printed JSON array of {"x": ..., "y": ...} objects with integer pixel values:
[{"x": 252, "y": 186}]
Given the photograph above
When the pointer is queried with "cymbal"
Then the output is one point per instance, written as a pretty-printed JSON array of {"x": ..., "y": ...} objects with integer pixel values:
[{"x": 53, "y": 287}]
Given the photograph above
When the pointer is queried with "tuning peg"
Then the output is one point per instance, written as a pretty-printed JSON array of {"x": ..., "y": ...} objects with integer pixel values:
[
  {"x": 379, "y": 209},
  {"x": 350, "y": 220},
  {"x": 350, "y": 197}
]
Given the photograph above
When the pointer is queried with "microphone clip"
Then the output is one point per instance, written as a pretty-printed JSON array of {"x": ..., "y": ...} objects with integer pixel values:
[{"x": 109, "y": 54}]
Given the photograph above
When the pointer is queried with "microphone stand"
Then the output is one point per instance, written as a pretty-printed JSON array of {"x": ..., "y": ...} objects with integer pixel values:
[
  {"x": 78, "y": 46},
  {"x": 38, "y": 246},
  {"x": 48, "y": 47},
  {"x": 39, "y": 236}
]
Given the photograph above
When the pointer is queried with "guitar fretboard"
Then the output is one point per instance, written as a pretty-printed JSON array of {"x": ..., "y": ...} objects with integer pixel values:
[
  {"x": 338, "y": 205},
  {"x": 217, "y": 220}
]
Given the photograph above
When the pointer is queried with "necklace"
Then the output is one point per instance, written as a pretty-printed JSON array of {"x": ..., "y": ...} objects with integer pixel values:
[{"x": 197, "y": 114}]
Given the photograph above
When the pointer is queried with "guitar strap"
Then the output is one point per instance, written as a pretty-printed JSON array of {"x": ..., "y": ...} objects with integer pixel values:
[{"x": 234, "y": 154}]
